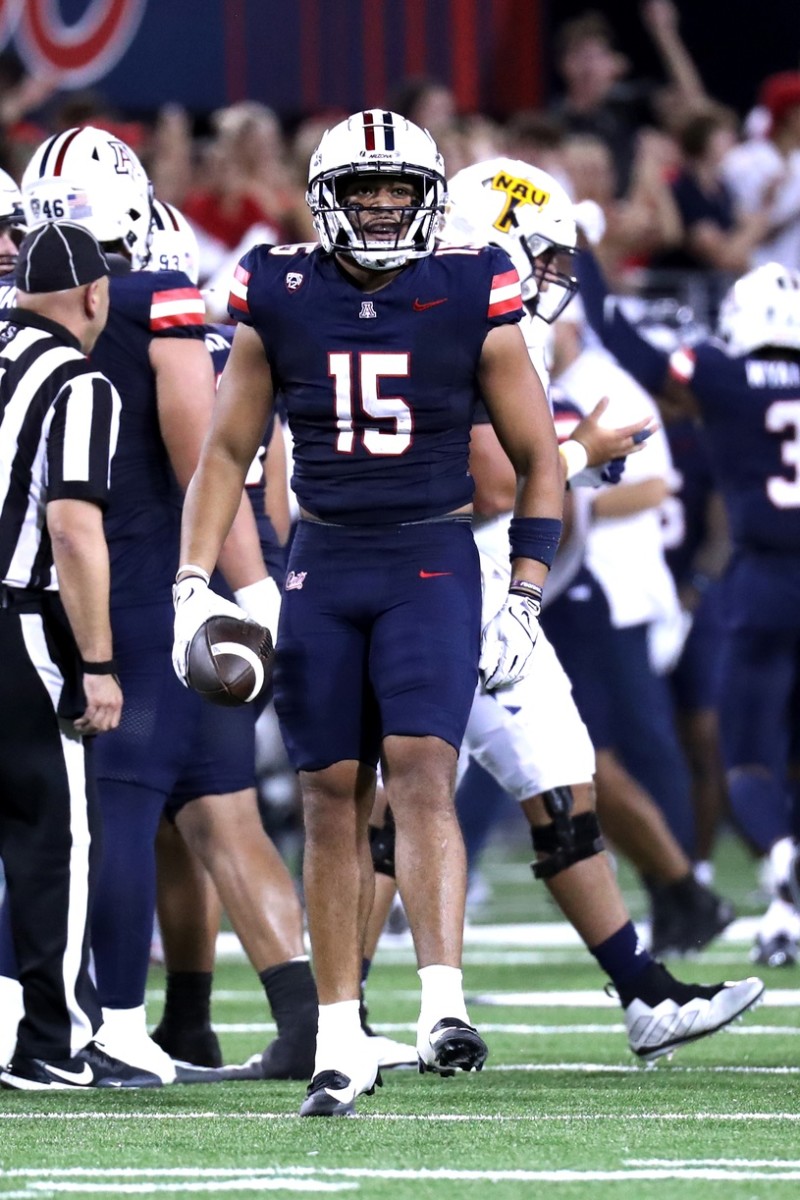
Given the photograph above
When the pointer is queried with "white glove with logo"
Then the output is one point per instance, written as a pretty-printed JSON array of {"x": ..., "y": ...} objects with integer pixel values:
[
  {"x": 194, "y": 603},
  {"x": 508, "y": 640},
  {"x": 262, "y": 603}
]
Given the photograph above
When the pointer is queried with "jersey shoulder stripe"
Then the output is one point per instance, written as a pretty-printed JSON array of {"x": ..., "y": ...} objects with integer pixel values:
[
  {"x": 505, "y": 295},
  {"x": 176, "y": 306},
  {"x": 238, "y": 292}
]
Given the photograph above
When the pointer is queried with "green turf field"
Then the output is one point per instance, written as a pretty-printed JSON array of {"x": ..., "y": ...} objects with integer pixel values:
[{"x": 561, "y": 1109}]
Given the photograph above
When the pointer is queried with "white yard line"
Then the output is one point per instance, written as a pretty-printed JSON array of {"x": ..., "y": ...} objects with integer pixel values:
[
  {"x": 442, "y": 1118},
  {"x": 272, "y": 1178},
  {"x": 535, "y": 934}
]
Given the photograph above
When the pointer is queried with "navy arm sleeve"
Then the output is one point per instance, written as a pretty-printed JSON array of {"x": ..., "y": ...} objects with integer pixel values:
[{"x": 648, "y": 365}]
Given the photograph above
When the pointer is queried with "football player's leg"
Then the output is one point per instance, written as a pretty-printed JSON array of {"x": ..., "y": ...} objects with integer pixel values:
[
  {"x": 661, "y": 1013},
  {"x": 423, "y": 663},
  {"x": 329, "y": 725},
  {"x": 695, "y": 685},
  {"x": 215, "y": 809},
  {"x": 758, "y": 680},
  {"x": 685, "y": 914},
  {"x": 645, "y": 733},
  {"x": 188, "y": 916}
]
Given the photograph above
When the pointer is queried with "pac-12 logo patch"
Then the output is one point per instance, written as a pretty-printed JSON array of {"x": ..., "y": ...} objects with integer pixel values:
[{"x": 294, "y": 280}]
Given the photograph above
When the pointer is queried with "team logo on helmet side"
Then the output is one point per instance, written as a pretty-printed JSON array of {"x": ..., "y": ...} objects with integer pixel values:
[{"x": 519, "y": 191}]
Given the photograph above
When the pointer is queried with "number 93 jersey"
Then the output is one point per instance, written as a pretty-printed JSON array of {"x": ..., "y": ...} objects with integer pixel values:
[{"x": 379, "y": 387}]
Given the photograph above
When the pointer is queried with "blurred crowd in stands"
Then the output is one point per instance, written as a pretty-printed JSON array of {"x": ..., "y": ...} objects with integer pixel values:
[{"x": 692, "y": 193}]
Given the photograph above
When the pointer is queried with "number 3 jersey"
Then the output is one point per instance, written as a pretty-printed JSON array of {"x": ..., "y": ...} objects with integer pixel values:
[
  {"x": 751, "y": 413},
  {"x": 378, "y": 387}
]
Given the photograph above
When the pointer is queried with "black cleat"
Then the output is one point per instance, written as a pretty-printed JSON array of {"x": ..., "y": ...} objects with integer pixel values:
[
  {"x": 332, "y": 1094},
  {"x": 686, "y": 918},
  {"x": 91, "y": 1067},
  {"x": 451, "y": 1045}
]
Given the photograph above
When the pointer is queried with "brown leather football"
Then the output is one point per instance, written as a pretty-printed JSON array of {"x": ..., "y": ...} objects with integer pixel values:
[{"x": 229, "y": 660}]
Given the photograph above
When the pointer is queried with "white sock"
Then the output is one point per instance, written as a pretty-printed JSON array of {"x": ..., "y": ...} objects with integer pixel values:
[
  {"x": 442, "y": 995},
  {"x": 780, "y": 860},
  {"x": 338, "y": 1029}
]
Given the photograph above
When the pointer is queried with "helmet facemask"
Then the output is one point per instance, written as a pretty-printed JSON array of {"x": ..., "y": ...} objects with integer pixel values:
[
  {"x": 369, "y": 146},
  {"x": 552, "y": 284}
]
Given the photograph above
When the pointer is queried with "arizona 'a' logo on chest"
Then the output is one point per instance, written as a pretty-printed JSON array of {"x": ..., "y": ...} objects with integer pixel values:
[{"x": 367, "y": 309}]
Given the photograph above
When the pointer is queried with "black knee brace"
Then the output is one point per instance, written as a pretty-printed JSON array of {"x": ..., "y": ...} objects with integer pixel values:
[
  {"x": 381, "y": 844},
  {"x": 568, "y": 840}
]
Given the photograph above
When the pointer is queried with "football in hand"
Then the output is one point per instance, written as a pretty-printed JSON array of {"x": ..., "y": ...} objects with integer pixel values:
[{"x": 229, "y": 660}]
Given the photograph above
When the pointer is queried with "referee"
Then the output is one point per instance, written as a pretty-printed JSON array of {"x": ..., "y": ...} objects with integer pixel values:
[{"x": 58, "y": 429}]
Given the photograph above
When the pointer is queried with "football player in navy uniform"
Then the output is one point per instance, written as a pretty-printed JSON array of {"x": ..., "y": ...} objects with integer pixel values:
[
  {"x": 171, "y": 747},
  {"x": 745, "y": 386},
  {"x": 188, "y": 907},
  {"x": 379, "y": 345}
]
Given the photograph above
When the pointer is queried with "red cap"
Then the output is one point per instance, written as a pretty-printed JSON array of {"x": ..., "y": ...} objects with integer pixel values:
[{"x": 779, "y": 93}]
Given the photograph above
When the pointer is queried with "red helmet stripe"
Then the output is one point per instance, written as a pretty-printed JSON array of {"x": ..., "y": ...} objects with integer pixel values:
[
  {"x": 369, "y": 131},
  {"x": 65, "y": 145}
]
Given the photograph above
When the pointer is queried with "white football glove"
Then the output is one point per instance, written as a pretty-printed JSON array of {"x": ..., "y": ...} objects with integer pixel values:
[
  {"x": 262, "y": 603},
  {"x": 194, "y": 603},
  {"x": 508, "y": 640}
]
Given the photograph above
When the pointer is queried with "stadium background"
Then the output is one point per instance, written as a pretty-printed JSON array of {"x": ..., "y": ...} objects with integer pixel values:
[{"x": 313, "y": 55}]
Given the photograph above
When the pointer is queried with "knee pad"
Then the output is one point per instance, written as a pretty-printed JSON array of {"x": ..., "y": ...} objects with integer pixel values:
[
  {"x": 568, "y": 840},
  {"x": 381, "y": 844}
]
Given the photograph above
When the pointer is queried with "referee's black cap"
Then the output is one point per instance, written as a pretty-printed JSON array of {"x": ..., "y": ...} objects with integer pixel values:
[{"x": 58, "y": 256}]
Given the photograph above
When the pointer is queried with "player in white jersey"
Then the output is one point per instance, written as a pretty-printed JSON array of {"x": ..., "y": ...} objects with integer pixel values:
[{"x": 529, "y": 735}]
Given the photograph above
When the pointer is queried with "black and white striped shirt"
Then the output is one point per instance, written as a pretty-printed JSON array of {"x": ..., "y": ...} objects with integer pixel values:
[{"x": 59, "y": 422}]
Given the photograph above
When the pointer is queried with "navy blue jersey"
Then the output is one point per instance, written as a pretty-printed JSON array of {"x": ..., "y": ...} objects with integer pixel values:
[
  {"x": 379, "y": 388},
  {"x": 751, "y": 414},
  {"x": 143, "y": 519},
  {"x": 685, "y": 512}
]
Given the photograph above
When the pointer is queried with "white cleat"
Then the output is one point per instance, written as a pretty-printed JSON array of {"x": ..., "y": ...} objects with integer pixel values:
[
  {"x": 655, "y": 1032},
  {"x": 450, "y": 1045},
  {"x": 777, "y": 940}
]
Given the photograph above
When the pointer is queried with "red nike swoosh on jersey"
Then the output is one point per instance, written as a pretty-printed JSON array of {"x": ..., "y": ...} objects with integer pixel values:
[
  {"x": 433, "y": 574},
  {"x": 421, "y": 305}
]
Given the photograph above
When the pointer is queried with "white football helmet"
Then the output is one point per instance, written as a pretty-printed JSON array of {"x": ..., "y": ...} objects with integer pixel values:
[
  {"x": 12, "y": 218},
  {"x": 762, "y": 309},
  {"x": 526, "y": 212},
  {"x": 173, "y": 242},
  {"x": 92, "y": 178},
  {"x": 376, "y": 143}
]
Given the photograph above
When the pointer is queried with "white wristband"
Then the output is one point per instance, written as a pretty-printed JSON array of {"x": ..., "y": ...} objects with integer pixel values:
[
  {"x": 192, "y": 569},
  {"x": 575, "y": 456}
]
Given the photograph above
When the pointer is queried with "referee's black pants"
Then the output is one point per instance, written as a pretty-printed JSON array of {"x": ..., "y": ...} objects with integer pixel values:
[{"x": 49, "y": 825}]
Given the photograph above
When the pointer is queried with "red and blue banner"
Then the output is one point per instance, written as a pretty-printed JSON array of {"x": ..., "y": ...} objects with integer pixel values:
[{"x": 299, "y": 57}]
